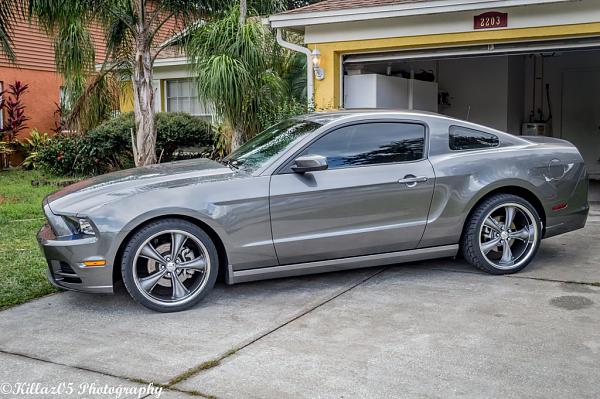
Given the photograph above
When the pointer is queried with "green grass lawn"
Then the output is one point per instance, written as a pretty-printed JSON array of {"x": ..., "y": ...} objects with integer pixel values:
[{"x": 22, "y": 266}]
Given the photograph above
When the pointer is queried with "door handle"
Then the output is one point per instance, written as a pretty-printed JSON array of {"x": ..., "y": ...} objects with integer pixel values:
[{"x": 411, "y": 180}]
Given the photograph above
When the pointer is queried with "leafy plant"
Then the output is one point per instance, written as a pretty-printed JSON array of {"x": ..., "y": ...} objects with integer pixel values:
[
  {"x": 30, "y": 146},
  {"x": 5, "y": 148},
  {"x": 134, "y": 36},
  {"x": 232, "y": 61},
  {"x": 15, "y": 110},
  {"x": 284, "y": 110},
  {"x": 108, "y": 147}
]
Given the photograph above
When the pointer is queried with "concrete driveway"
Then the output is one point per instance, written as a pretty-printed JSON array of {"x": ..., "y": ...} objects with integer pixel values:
[{"x": 428, "y": 329}]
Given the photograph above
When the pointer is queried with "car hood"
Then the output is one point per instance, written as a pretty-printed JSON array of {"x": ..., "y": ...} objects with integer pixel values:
[{"x": 87, "y": 195}]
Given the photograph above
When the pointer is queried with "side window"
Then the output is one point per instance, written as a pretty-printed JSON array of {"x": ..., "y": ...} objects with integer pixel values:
[
  {"x": 371, "y": 144},
  {"x": 462, "y": 138}
]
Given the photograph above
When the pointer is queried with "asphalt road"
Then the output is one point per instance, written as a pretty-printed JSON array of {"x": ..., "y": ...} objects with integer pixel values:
[{"x": 435, "y": 329}]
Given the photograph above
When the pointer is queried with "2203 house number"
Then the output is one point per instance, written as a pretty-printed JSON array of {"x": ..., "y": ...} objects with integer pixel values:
[{"x": 490, "y": 20}]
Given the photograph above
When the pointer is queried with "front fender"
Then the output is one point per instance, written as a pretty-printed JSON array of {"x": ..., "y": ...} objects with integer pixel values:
[{"x": 236, "y": 210}]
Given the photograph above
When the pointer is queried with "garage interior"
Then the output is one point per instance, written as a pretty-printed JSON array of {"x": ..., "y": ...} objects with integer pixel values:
[{"x": 541, "y": 88}]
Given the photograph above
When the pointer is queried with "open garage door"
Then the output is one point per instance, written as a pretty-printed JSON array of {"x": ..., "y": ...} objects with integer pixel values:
[
  {"x": 547, "y": 87},
  {"x": 477, "y": 50}
]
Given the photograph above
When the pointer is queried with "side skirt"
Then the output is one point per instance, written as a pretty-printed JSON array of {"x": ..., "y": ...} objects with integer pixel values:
[{"x": 356, "y": 262}]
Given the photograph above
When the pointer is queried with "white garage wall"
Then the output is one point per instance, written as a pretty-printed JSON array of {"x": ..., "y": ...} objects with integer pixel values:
[
  {"x": 478, "y": 83},
  {"x": 554, "y": 66}
]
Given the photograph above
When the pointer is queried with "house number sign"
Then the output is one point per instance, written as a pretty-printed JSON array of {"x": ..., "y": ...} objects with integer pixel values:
[{"x": 491, "y": 20}]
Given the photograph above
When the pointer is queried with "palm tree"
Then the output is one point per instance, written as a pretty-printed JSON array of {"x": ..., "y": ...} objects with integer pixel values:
[
  {"x": 231, "y": 59},
  {"x": 131, "y": 28}
]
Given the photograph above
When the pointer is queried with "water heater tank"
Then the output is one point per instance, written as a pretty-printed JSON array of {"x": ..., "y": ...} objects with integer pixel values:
[{"x": 535, "y": 129}]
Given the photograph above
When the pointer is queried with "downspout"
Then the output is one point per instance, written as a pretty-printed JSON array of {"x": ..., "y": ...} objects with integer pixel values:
[{"x": 309, "y": 73}]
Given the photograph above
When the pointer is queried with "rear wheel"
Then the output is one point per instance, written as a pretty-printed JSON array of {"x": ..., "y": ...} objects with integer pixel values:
[
  {"x": 169, "y": 265},
  {"x": 502, "y": 235}
]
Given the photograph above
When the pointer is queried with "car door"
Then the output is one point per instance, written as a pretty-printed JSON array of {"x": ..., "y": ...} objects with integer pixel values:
[{"x": 373, "y": 198}]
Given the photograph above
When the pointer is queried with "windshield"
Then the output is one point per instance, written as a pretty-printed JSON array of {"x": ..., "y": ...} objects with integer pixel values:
[{"x": 269, "y": 144}]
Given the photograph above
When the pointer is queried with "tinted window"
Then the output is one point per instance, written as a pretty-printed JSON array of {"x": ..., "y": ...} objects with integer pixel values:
[
  {"x": 270, "y": 144},
  {"x": 370, "y": 144},
  {"x": 462, "y": 138}
]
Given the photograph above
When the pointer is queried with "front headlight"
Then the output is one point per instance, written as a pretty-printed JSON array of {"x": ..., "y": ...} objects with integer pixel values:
[
  {"x": 68, "y": 226},
  {"x": 80, "y": 225}
]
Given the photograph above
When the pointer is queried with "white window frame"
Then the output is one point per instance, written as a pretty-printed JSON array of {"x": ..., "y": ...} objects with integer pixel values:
[{"x": 208, "y": 113}]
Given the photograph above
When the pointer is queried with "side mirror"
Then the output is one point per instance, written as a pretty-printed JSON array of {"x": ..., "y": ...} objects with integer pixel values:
[{"x": 309, "y": 163}]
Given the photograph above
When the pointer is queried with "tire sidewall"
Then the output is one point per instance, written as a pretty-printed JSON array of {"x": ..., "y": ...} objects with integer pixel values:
[
  {"x": 148, "y": 231},
  {"x": 483, "y": 210}
]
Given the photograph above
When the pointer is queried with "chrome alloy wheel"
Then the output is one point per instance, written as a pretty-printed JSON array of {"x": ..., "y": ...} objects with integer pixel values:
[
  {"x": 170, "y": 267},
  {"x": 508, "y": 236}
]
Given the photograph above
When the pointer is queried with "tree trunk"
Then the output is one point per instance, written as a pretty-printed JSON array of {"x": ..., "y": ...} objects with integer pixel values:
[
  {"x": 237, "y": 138},
  {"x": 143, "y": 104},
  {"x": 243, "y": 11}
]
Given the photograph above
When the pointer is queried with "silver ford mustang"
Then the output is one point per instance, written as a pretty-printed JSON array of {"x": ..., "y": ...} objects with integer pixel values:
[{"x": 316, "y": 193}]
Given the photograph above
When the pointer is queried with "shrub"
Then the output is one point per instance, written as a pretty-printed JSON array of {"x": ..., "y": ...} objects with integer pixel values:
[
  {"x": 30, "y": 147},
  {"x": 284, "y": 110},
  {"x": 58, "y": 155},
  {"x": 15, "y": 110},
  {"x": 178, "y": 130},
  {"x": 108, "y": 146}
]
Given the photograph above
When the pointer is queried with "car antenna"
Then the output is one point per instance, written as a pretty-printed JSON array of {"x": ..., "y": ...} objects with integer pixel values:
[{"x": 468, "y": 112}]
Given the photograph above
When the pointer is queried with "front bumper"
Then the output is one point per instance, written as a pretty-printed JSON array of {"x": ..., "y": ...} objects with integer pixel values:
[{"x": 65, "y": 258}]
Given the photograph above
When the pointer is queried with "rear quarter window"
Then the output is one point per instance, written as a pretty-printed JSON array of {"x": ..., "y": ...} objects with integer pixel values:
[{"x": 462, "y": 138}]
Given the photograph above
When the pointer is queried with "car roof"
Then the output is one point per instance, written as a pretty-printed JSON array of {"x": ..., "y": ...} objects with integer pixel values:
[{"x": 326, "y": 117}]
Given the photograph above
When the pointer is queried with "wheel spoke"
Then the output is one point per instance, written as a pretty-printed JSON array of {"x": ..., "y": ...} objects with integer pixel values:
[
  {"x": 487, "y": 246},
  {"x": 179, "y": 290},
  {"x": 148, "y": 283},
  {"x": 195, "y": 264},
  {"x": 492, "y": 224},
  {"x": 509, "y": 216},
  {"x": 173, "y": 255},
  {"x": 507, "y": 255},
  {"x": 150, "y": 252},
  {"x": 177, "y": 241},
  {"x": 524, "y": 234}
]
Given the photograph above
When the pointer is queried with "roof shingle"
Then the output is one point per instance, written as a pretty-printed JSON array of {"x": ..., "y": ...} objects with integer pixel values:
[{"x": 333, "y": 5}]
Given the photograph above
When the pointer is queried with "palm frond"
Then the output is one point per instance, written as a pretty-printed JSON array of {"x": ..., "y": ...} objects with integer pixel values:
[{"x": 235, "y": 69}]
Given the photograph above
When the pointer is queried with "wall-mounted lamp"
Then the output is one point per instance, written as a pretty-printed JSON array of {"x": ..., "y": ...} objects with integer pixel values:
[{"x": 316, "y": 60}]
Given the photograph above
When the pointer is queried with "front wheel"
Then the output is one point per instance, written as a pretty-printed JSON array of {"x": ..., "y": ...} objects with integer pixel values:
[
  {"x": 502, "y": 234},
  {"x": 169, "y": 265}
]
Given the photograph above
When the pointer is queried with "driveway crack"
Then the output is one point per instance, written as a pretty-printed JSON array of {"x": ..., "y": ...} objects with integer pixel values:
[
  {"x": 216, "y": 361},
  {"x": 549, "y": 280},
  {"x": 105, "y": 374}
]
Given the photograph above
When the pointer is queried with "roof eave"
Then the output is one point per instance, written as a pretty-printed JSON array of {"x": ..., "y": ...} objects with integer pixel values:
[{"x": 301, "y": 19}]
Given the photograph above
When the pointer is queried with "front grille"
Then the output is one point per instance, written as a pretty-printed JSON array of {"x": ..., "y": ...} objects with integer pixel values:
[
  {"x": 66, "y": 274},
  {"x": 65, "y": 268}
]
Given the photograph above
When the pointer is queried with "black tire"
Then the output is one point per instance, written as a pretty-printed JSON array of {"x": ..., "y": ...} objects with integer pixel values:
[
  {"x": 164, "y": 226},
  {"x": 470, "y": 241}
]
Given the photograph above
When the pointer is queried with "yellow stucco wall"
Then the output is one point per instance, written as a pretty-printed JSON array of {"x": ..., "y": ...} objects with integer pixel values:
[
  {"x": 126, "y": 100},
  {"x": 327, "y": 91}
]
